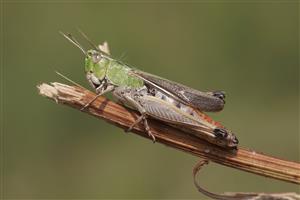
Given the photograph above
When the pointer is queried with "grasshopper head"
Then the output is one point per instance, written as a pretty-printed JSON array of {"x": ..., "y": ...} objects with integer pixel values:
[
  {"x": 92, "y": 60},
  {"x": 95, "y": 63},
  {"x": 95, "y": 67}
]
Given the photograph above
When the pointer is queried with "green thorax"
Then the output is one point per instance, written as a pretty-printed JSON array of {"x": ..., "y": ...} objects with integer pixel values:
[
  {"x": 119, "y": 74},
  {"x": 114, "y": 71}
]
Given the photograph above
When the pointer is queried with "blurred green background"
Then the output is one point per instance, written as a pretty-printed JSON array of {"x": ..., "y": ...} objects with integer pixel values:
[{"x": 250, "y": 50}]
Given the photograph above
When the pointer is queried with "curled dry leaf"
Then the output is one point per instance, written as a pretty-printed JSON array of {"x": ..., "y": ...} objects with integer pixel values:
[{"x": 240, "y": 196}]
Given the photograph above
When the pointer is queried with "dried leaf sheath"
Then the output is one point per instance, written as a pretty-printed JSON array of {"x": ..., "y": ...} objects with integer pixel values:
[
  {"x": 240, "y": 196},
  {"x": 242, "y": 159}
]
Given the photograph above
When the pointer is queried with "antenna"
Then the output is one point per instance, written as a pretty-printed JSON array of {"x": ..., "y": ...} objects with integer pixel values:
[
  {"x": 88, "y": 39},
  {"x": 93, "y": 44},
  {"x": 73, "y": 41},
  {"x": 68, "y": 79}
]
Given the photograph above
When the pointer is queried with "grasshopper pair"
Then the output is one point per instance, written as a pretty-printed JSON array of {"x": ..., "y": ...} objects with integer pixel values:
[{"x": 152, "y": 96}]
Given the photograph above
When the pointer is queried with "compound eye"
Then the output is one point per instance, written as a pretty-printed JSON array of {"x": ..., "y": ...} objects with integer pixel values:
[
  {"x": 89, "y": 54},
  {"x": 96, "y": 58}
]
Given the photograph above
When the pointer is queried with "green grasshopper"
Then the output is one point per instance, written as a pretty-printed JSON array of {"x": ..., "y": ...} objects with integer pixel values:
[{"x": 106, "y": 74}]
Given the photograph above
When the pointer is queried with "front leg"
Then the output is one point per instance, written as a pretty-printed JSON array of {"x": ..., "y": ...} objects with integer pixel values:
[{"x": 101, "y": 90}]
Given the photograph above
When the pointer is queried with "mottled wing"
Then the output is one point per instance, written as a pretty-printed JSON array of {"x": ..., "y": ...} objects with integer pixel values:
[
  {"x": 204, "y": 101},
  {"x": 166, "y": 112},
  {"x": 198, "y": 124}
]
